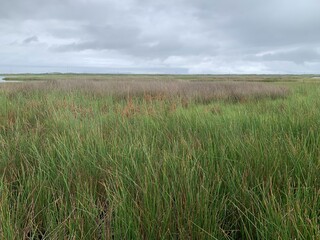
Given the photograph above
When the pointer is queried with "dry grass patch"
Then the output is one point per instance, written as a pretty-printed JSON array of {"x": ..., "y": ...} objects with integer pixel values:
[{"x": 203, "y": 92}]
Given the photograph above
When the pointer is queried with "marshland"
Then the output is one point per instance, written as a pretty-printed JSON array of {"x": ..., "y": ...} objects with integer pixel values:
[{"x": 160, "y": 157}]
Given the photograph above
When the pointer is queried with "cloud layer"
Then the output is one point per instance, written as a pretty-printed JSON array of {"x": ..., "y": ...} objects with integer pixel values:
[{"x": 178, "y": 36}]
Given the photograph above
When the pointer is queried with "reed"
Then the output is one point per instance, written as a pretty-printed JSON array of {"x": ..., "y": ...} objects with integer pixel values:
[{"x": 94, "y": 160}]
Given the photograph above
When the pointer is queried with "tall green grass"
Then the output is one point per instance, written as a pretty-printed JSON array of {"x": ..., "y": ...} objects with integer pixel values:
[{"x": 76, "y": 165}]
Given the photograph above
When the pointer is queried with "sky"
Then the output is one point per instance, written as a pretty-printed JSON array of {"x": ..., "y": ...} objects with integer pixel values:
[{"x": 158, "y": 36}]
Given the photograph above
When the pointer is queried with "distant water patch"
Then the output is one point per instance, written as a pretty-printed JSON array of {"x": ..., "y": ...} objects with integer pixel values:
[{"x": 4, "y": 81}]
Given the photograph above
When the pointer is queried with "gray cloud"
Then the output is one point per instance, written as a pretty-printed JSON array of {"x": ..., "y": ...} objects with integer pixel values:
[
  {"x": 298, "y": 56},
  {"x": 203, "y": 36},
  {"x": 31, "y": 39}
]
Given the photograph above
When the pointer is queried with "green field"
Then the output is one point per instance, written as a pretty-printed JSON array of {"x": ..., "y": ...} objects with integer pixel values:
[{"x": 160, "y": 157}]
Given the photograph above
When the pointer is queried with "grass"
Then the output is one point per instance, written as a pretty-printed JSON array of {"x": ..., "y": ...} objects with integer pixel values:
[
  {"x": 194, "y": 91},
  {"x": 164, "y": 77},
  {"x": 82, "y": 162}
]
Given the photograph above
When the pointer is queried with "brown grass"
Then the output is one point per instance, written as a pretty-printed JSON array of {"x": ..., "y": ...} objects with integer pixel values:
[{"x": 152, "y": 90}]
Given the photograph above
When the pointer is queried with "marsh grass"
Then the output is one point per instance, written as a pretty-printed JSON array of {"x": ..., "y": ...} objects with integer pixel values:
[
  {"x": 203, "y": 92},
  {"x": 163, "y": 77},
  {"x": 92, "y": 161}
]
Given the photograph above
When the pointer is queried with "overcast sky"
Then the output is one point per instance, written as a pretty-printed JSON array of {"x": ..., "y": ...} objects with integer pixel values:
[{"x": 159, "y": 36}]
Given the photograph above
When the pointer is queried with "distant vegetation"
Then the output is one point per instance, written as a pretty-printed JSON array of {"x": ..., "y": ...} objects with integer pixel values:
[
  {"x": 147, "y": 90},
  {"x": 163, "y": 77},
  {"x": 160, "y": 157}
]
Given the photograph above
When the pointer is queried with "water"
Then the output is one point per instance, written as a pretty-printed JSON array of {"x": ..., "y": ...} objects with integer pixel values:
[{"x": 4, "y": 81}]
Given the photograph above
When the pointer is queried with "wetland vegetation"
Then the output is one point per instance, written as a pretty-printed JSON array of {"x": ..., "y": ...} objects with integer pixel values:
[{"x": 160, "y": 157}]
